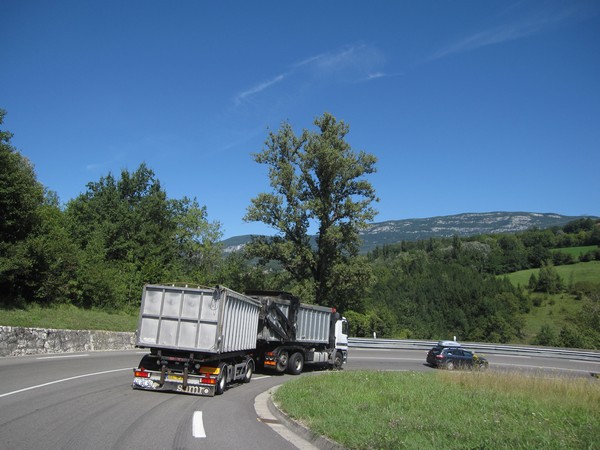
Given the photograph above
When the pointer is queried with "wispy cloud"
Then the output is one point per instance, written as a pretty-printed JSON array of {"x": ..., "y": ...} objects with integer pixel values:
[
  {"x": 351, "y": 63},
  {"x": 259, "y": 88},
  {"x": 535, "y": 24},
  {"x": 378, "y": 75}
]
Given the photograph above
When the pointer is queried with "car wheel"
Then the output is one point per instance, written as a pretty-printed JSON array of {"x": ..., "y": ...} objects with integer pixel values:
[{"x": 450, "y": 365}]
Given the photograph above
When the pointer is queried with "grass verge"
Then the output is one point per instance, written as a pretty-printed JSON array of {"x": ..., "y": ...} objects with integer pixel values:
[
  {"x": 394, "y": 410},
  {"x": 68, "y": 317}
]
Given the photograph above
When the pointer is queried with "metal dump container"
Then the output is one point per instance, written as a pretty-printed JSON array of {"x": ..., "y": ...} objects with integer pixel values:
[
  {"x": 206, "y": 320},
  {"x": 310, "y": 323}
]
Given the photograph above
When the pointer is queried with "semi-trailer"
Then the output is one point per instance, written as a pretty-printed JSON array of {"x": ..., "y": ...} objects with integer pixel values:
[{"x": 202, "y": 339}]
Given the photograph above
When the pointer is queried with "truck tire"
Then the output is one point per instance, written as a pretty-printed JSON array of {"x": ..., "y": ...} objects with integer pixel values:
[
  {"x": 221, "y": 379},
  {"x": 249, "y": 371},
  {"x": 149, "y": 362},
  {"x": 338, "y": 361},
  {"x": 296, "y": 364},
  {"x": 282, "y": 362}
]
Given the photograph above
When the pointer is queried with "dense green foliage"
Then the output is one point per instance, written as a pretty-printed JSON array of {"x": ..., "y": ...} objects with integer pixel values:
[
  {"x": 442, "y": 288},
  {"x": 101, "y": 248},
  {"x": 316, "y": 179}
]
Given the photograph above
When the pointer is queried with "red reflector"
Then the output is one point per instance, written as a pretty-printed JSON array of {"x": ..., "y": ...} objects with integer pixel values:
[
  {"x": 141, "y": 374},
  {"x": 440, "y": 357},
  {"x": 208, "y": 381}
]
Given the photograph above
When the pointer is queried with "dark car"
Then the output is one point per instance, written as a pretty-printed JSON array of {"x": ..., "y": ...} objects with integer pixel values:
[{"x": 455, "y": 357}]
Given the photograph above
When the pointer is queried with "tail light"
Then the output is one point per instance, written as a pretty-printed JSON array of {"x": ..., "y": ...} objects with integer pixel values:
[{"x": 141, "y": 373}]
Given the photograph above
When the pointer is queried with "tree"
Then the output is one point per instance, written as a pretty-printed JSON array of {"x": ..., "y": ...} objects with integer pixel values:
[
  {"x": 317, "y": 180},
  {"x": 196, "y": 241},
  {"x": 125, "y": 229},
  {"x": 549, "y": 280},
  {"x": 21, "y": 197},
  {"x": 20, "y": 192}
]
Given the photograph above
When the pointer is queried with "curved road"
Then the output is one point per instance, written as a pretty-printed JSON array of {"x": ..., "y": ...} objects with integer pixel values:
[{"x": 85, "y": 400}]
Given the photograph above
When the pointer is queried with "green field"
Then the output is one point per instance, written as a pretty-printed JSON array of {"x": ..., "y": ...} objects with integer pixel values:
[
  {"x": 572, "y": 273},
  {"x": 462, "y": 410},
  {"x": 576, "y": 252},
  {"x": 555, "y": 310}
]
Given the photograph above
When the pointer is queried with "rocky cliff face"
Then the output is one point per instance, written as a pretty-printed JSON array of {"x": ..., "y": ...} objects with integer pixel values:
[{"x": 468, "y": 224}]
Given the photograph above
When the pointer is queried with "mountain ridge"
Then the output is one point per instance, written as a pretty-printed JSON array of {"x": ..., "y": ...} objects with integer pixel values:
[{"x": 462, "y": 225}]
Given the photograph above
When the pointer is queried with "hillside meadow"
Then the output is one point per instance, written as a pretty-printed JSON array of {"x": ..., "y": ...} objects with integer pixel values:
[
  {"x": 572, "y": 273},
  {"x": 555, "y": 310}
]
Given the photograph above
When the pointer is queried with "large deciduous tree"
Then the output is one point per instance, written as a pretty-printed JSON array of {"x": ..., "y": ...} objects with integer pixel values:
[
  {"x": 130, "y": 233},
  {"x": 318, "y": 182},
  {"x": 21, "y": 196},
  {"x": 37, "y": 257}
]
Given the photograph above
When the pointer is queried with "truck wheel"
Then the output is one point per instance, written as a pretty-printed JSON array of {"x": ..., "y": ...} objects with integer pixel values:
[
  {"x": 338, "y": 361},
  {"x": 221, "y": 379},
  {"x": 149, "y": 363},
  {"x": 282, "y": 362},
  {"x": 249, "y": 371},
  {"x": 296, "y": 364}
]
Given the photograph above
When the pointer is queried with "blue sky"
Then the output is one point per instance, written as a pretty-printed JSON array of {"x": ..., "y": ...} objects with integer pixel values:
[{"x": 469, "y": 106}]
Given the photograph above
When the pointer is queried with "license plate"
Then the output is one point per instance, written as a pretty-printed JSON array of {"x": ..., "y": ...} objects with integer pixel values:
[{"x": 174, "y": 378}]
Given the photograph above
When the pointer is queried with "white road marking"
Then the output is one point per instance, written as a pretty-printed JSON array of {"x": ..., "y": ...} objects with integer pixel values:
[
  {"x": 198, "y": 425},
  {"x": 62, "y": 381},
  {"x": 64, "y": 356},
  {"x": 559, "y": 369}
]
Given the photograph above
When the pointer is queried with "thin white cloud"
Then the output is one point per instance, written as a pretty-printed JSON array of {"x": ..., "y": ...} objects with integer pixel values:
[
  {"x": 348, "y": 55},
  {"x": 534, "y": 25},
  {"x": 259, "y": 88},
  {"x": 378, "y": 75},
  {"x": 350, "y": 63}
]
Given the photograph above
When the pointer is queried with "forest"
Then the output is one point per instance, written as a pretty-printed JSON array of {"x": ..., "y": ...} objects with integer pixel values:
[
  {"x": 444, "y": 287},
  {"x": 100, "y": 248}
]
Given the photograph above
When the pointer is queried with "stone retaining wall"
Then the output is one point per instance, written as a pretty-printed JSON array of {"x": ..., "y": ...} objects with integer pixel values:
[{"x": 19, "y": 341}]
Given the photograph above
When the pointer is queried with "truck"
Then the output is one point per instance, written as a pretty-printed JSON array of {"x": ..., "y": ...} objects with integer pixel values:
[{"x": 202, "y": 339}]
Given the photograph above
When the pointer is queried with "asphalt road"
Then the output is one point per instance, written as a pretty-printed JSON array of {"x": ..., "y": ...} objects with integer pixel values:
[{"x": 85, "y": 401}]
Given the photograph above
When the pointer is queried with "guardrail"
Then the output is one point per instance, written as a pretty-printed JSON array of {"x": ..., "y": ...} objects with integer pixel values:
[{"x": 549, "y": 352}]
